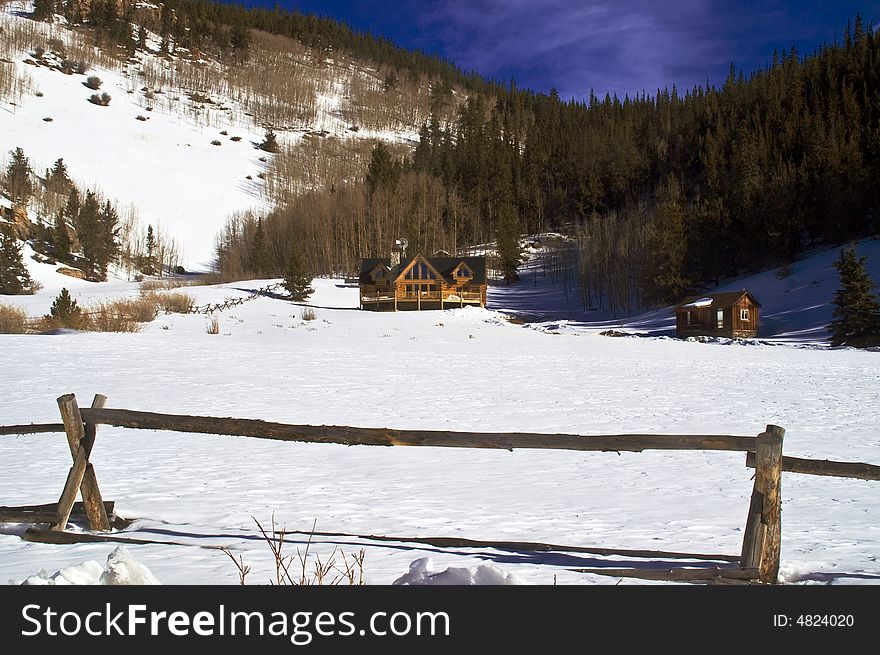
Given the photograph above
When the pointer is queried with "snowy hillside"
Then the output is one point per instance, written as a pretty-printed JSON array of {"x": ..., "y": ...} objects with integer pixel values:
[
  {"x": 795, "y": 305},
  {"x": 183, "y": 160},
  {"x": 345, "y": 366}
]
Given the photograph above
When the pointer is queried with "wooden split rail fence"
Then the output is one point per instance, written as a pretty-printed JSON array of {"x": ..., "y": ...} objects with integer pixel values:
[
  {"x": 211, "y": 308},
  {"x": 758, "y": 561}
]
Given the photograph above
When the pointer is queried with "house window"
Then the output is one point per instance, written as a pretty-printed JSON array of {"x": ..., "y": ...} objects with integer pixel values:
[
  {"x": 719, "y": 318},
  {"x": 744, "y": 315},
  {"x": 689, "y": 318}
]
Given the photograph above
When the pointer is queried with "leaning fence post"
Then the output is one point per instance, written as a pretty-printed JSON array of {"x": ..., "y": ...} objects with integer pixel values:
[
  {"x": 81, "y": 439},
  {"x": 763, "y": 534}
]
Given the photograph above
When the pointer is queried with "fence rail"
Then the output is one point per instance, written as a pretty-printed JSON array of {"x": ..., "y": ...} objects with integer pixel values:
[
  {"x": 352, "y": 436},
  {"x": 759, "y": 559}
]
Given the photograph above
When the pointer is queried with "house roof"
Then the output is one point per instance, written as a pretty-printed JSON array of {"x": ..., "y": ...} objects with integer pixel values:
[
  {"x": 716, "y": 300},
  {"x": 444, "y": 266}
]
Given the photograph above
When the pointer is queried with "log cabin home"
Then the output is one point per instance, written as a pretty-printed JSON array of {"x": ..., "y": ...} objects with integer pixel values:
[
  {"x": 731, "y": 314},
  {"x": 417, "y": 283}
]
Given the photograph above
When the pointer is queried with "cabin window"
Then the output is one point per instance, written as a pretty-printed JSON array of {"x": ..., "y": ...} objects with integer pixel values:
[
  {"x": 463, "y": 271},
  {"x": 420, "y": 271},
  {"x": 744, "y": 315},
  {"x": 719, "y": 318},
  {"x": 689, "y": 318}
]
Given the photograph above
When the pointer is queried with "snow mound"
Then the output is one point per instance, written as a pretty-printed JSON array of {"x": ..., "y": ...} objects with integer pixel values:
[
  {"x": 122, "y": 569},
  {"x": 421, "y": 572}
]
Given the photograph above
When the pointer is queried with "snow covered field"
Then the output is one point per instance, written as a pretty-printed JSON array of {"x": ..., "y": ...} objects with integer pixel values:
[{"x": 462, "y": 369}]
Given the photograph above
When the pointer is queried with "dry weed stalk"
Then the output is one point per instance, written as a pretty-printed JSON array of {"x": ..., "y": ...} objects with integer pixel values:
[{"x": 305, "y": 568}]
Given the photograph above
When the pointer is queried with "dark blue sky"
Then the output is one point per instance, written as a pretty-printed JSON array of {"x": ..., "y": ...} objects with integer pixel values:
[{"x": 618, "y": 46}]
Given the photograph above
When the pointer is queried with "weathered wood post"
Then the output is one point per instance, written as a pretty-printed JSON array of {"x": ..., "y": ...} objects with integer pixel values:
[
  {"x": 763, "y": 534},
  {"x": 81, "y": 440}
]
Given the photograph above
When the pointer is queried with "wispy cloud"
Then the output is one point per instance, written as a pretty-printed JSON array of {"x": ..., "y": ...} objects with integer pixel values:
[{"x": 617, "y": 47}]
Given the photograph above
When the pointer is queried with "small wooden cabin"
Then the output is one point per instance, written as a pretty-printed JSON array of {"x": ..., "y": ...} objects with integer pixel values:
[
  {"x": 418, "y": 283},
  {"x": 732, "y": 314}
]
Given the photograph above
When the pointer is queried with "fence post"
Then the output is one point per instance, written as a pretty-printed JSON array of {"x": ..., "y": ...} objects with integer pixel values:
[
  {"x": 763, "y": 534},
  {"x": 81, "y": 439},
  {"x": 91, "y": 493}
]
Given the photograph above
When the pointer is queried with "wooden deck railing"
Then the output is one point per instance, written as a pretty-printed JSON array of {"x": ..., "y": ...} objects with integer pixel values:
[{"x": 758, "y": 560}]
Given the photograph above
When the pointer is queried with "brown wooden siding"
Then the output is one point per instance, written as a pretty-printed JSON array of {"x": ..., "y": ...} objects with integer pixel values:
[{"x": 704, "y": 320}]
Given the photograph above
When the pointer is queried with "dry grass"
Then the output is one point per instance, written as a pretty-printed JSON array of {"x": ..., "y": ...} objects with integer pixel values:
[
  {"x": 126, "y": 315},
  {"x": 308, "y": 314},
  {"x": 175, "y": 302},
  {"x": 214, "y": 326},
  {"x": 13, "y": 320},
  {"x": 122, "y": 315},
  {"x": 305, "y": 568},
  {"x": 164, "y": 285}
]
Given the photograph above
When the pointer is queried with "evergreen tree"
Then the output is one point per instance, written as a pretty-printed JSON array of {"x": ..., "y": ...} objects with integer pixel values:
[
  {"x": 383, "y": 172},
  {"x": 44, "y": 10},
  {"x": 108, "y": 248},
  {"x": 89, "y": 234},
  {"x": 18, "y": 177},
  {"x": 297, "y": 280},
  {"x": 149, "y": 267},
  {"x": 667, "y": 243},
  {"x": 60, "y": 238},
  {"x": 14, "y": 277},
  {"x": 856, "y": 317},
  {"x": 65, "y": 312},
  {"x": 507, "y": 237},
  {"x": 57, "y": 179},
  {"x": 259, "y": 260},
  {"x": 270, "y": 142}
]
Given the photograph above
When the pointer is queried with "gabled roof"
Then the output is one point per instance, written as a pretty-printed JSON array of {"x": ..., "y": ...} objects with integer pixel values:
[
  {"x": 716, "y": 300},
  {"x": 403, "y": 267},
  {"x": 443, "y": 265}
]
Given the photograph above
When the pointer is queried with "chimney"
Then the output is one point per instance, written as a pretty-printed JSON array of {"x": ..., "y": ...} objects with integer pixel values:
[{"x": 399, "y": 247}]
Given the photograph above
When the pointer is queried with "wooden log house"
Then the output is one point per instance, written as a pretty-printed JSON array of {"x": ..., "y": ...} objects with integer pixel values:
[
  {"x": 392, "y": 284},
  {"x": 731, "y": 314}
]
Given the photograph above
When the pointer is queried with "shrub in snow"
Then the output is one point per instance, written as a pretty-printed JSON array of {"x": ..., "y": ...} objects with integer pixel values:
[
  {"x": 103, "y": 100},
  {"x": 421, "y": 572},
  {"x": 215, "y": 142},
  {"x": 270, "y": 143},
  {"x": 93, "y": 82},
  {"x": 13, "y": 320}
]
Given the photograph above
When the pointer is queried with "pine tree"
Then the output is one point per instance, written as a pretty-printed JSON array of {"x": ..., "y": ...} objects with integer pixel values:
[
  {"x": 297, "y": 280},
  {"x": 14, "y": 277},
  {"x": 108, "y": 247},
  {"x": 258, "y": 261},
  {"x": 383, "y": 172},
  {"x": 270, "y": 142},
  {"x": 60, "y": 238},
  {"x": 89, "y": 234},
  {"x": 667, "y": 239},
  {"x": 507, "y": 236},
  {"x": 856, "y": 317},
  {"x": 18, "y": 177},
  {"x": 57, "y": 179},
  {"x": 65, "y": 312},
  {"x": 44, "y": 10},
  {"x": 149, "y": 266}
]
